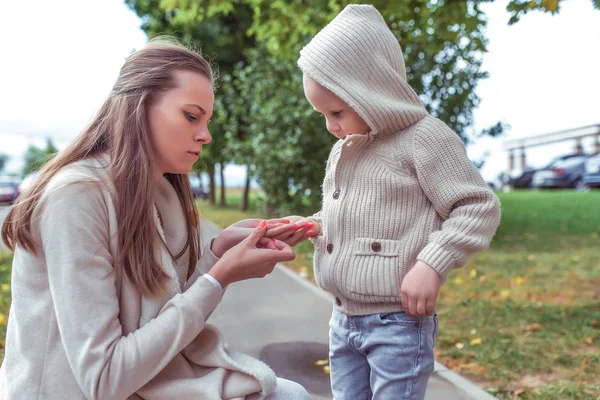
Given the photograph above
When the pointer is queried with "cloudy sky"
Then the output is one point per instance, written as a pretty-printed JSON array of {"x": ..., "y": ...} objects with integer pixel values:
[{"x": 60, "y": 59}]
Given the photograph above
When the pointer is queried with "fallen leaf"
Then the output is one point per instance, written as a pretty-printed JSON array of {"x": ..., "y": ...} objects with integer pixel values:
[
  {"x": 595, "y": 235},
  {"x": 321, "y": 362},
  {"x": 588, "y": 340},
  {"x": 473, "y": 331},
  {"x": 473, "y": 273},
  {"x": 5, "y": 287},
  {"x": 504, "y": 293},
  {"x": 458, "y": 280},
  {"x": 475, "y": 342},
  {"x": 518, "y": 281},
  {"x": 595, "y": 323},
  {"x": 326, "y": 369},
  {"x": 459, "y": 345},
  {"x": 531, "y": 257},
  {"x": 531, "y": 328},
  {"x": 2, "y": 319},
  {"x": 482, "y": 279}
]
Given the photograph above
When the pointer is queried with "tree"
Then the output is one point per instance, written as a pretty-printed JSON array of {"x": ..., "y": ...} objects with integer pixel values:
[
  {"x": 36, "y": 157},
  {"x": 3, "y": 161},
  {"x": 260, "y": 109},
  {"x": 222, "y": 37},
  {"x": 518, "y": 8}
]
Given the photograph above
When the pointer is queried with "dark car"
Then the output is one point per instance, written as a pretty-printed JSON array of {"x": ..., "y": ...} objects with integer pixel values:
[
  {"x": 9, "y": 191},
  {"x": 563, "y": 173},
  {"x": 591, "y": 178},
  {"x": 522, "y": 180}
]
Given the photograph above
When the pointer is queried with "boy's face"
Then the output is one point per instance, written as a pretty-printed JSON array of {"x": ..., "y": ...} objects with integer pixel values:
[{"x": 341, "y": 119}]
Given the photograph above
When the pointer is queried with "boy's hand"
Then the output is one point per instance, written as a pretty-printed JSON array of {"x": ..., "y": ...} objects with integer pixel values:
[
  {"x": 420, "y": 289},
  {"x": 235, "y": 233},
  {"x": 301, "y": 229}
]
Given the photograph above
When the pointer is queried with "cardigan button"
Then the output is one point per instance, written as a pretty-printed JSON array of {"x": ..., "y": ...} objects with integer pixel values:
[
  {"x": 330, "y": 248},
  {"x": 376, "y": 246},
  {"x": 336, "y": 194},
  {"x": 338, "y": 301}
]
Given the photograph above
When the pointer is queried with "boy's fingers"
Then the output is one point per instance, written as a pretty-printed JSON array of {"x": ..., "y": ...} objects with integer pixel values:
[{"x": 277, "y": 231}]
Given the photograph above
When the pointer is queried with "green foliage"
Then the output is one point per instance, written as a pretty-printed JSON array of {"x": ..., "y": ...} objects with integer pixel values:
[
  {"x": 261, "y": 118},
  {"x": 36, "y": 157},
  {"x": 518, "y": 8}
]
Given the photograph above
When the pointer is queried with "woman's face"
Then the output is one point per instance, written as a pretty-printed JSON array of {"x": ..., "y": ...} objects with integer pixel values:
[{"x": 178, "y": 122}]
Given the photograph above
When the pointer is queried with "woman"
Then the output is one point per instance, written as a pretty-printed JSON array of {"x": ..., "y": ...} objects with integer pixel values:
[{"x": 110, "y": 289}]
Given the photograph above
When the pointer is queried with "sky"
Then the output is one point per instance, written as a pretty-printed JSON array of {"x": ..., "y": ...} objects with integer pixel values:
[{"x": 59, "y": 62}]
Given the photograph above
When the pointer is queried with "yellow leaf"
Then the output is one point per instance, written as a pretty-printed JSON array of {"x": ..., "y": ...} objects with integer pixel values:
[
  {"x": 531, "y": 257},
  {"x": 550, "y": 5},
  {"x": 473, "y": 273},
  {"x": 518, "y": 281},
  {"x": 588, "y": 340},
  {"x": 321, "y": 362},
  {"x": 459, "y": 345},
  {"x": 482, "y": 279},
  {"x": 473, "y": 331},
  {"x": 504, "y": 293},
  {"x": 5, "y": 287},
  {"x": 2, "y": 319},
  {"x": 458, "y": 280},
  {"x": 326, "y": 369},
  {"x": 475, "y": 342}
]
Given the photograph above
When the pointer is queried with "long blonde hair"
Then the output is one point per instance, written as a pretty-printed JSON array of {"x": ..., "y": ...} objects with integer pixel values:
[{"x": 120, "y": 129}]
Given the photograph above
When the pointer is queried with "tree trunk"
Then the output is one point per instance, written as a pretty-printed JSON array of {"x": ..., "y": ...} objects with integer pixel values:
[
  {"x": 245, "y": 202},
  {"x": 223, "y": 200},
  {"x": 210, "y": 170}
]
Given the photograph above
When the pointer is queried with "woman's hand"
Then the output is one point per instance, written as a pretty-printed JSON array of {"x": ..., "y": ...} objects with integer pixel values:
[
  {"x": 253, "y": 257},
  {"x": 235, "y": 233}
]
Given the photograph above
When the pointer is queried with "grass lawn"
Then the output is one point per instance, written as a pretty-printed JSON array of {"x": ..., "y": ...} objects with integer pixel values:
[{"x": 521, "y": 319}]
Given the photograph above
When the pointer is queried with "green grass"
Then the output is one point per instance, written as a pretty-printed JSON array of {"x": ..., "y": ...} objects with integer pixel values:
[
  {"x": 521, "y": 319},
  {"x": 5, "y": 268}
]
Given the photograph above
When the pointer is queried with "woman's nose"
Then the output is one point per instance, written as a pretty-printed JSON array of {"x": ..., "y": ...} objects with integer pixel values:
[{"x": 203, "y": 136}]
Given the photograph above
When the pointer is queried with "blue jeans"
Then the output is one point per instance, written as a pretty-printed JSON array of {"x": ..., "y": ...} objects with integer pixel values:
[{"x": 381, "y": 356}]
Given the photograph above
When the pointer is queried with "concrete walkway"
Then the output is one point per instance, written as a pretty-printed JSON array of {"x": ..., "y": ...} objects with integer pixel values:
[{"x": 283, "y": 320}]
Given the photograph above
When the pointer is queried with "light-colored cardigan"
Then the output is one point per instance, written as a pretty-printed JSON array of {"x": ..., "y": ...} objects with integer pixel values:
[
  {"x": 79, "y": 329},
  {"x": 404, "y": 192}
]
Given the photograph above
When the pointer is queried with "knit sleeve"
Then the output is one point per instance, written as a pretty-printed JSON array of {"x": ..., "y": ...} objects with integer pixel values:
[
  {"x": 470, "y": 210},
  {"x": 106, "y": 363}
]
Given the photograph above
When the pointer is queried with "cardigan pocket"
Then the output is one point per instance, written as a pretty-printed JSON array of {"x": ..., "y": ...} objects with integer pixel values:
[{"x": 374, "y": 273}]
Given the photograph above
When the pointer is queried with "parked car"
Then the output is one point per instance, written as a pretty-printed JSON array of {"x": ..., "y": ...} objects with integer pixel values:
[
  {"x": 522, "y": 179},
  {"x": 565, "y": 172},
  {"x": 591, "y": 177},
  {"x": 9, "y": 191}
]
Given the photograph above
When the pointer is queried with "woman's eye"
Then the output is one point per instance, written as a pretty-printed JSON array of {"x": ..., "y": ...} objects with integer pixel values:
[
  {"x": 190, "y": 117},
  {"x": 336, "y": 113}
]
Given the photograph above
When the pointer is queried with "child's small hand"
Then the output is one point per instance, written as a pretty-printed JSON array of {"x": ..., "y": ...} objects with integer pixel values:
[
  {"x": 420, "y": 289},
  {"x": 297, "y": 231}
]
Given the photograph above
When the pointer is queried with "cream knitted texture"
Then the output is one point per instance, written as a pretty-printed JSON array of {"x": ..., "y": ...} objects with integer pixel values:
[{"x": 405, "y": 191}]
